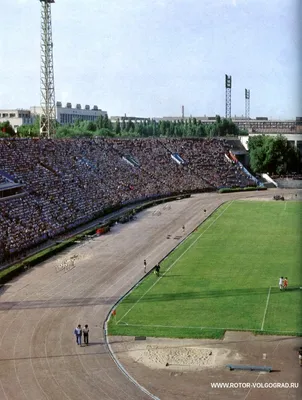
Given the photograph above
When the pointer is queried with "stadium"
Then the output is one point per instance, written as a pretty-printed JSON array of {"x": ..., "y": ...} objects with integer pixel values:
[
  {"x": 79, "y": 217},
  {"x": 143, "y": 256}
]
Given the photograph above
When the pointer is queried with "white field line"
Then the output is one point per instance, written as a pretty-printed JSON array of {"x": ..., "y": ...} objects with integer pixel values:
[
  {"x": 181, "y": 327},
  {"x": 182, "y": 254},
  {"x": 265, "y": 311},
  {"x": 205, "y": 327}
]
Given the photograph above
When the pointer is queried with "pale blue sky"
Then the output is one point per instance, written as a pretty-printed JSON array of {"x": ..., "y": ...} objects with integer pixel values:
[{"x": 150, "y": 57}]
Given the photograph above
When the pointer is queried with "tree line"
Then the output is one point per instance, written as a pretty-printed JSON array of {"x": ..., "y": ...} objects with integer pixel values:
[{"x": 103, "y": 126}]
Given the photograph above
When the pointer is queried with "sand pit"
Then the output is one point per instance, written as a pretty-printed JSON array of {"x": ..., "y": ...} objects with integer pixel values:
[{"x": 188, "y": 358}]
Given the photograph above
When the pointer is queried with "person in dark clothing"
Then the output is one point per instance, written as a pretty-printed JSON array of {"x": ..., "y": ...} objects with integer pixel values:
[
  {"x": 157, "y": 269},
  {"x": 86, "y": 334}
]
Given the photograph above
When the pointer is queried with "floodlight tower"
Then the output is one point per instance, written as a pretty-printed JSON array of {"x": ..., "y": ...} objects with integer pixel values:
[
  {"x": 47, "y": 84},
  {"x": 228, "y": 96},
  {"x": 247, "y": 103}
]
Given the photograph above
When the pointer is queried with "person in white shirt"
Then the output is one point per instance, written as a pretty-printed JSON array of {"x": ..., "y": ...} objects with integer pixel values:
[
  {"x": 78, "y": 334},
  {"x": 281, "y": 283}
]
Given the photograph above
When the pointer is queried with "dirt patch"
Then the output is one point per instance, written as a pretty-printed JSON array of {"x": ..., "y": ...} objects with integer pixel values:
[{"x": 183, "y": 357}]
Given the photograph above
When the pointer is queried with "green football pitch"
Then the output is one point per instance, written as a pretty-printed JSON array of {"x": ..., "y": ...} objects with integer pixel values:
[{"x": 224, "y": 276}]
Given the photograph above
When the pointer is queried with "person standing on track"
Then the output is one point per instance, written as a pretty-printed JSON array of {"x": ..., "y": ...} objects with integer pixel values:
[
  {"x": 285, "y": 283},
  {"x": 78, "y": 334},
  {"x": 157, "y": 269},
  {"x": 86, "y": 335},
  {"x": 145, "y": 266}
]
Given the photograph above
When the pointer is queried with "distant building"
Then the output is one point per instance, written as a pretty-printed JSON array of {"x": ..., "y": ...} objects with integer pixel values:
[
  {"x": 68, "y": 114},
  {"x": 127, "y": 118},
  {"x": 64, "y": 115},
  {"x": 16, "y": 117}
]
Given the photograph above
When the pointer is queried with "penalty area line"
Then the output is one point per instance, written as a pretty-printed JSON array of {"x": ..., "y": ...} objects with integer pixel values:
[
  {"x": 266, "y": 307},
  {"x": 181, "y": 255}
]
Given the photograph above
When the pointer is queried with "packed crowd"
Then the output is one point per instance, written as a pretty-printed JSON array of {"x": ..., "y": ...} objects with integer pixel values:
[
  {"x": 69, "y": 182},
  {"x": 3, "y": 180}
]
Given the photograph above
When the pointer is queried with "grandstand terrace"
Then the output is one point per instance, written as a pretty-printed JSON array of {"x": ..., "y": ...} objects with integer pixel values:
[{"x": 65, "y": 183}]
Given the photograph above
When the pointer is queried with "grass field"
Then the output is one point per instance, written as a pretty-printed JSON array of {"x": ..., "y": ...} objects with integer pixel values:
[{"x": 224, "y": 276}]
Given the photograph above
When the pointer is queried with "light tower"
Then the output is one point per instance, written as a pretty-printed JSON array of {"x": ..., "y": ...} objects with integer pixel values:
[
  {"x": 247, "y": 103},
  {"x": 47, "y": 84},
  {"x": 228, "y": 96}
]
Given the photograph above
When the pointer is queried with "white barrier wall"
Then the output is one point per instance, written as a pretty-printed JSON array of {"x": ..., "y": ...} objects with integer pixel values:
[{"x": 269, "y": 179}]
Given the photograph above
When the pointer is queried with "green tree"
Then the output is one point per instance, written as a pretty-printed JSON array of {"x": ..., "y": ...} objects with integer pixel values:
[
  {"x": 32, "y": 130},
  {"x": 100, "y": 122},
  {"x": 64, "y": 131},
  {"x": 200, "y": 130},
  {"x": 6, "y": 130},
  {"x": 274, "y": 155},
  {"x": 118, "y": 127},
  {"x": 130, "y": 126},
  {"x": 105, "y": 132},
  {"x": 91, "y": 126},
  {"x": 123, "y": 124},
  {"x": 107, "y": 123}
]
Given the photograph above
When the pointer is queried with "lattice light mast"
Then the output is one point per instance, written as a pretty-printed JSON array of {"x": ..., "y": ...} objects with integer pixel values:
[
  {"x": 247, "y": 103},
  {"x": 228, "y": 96},
  {"x": 47, "y": 84}
]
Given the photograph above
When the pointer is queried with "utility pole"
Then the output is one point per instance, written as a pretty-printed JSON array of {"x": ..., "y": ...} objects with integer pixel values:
[{"x": 47, "y": 84}]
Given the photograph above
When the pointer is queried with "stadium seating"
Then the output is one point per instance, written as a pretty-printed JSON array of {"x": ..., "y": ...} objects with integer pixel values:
[{"x": 69, "y": 182}]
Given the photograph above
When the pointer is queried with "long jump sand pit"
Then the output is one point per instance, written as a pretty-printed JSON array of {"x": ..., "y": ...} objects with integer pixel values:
[{"x": 176, "y": 357}]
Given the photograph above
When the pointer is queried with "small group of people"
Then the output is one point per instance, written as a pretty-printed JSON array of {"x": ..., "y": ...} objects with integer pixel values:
[
  {"x": 156, "y": 268},
  {"x": 79, "y": 332},
  {"x": 283, "y": 283}
]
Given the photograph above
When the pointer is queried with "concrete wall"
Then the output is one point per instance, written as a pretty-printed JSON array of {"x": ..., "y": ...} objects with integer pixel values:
[
  {"x": 269, "y": 180},
  {"x": 288, "y": 183}
]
